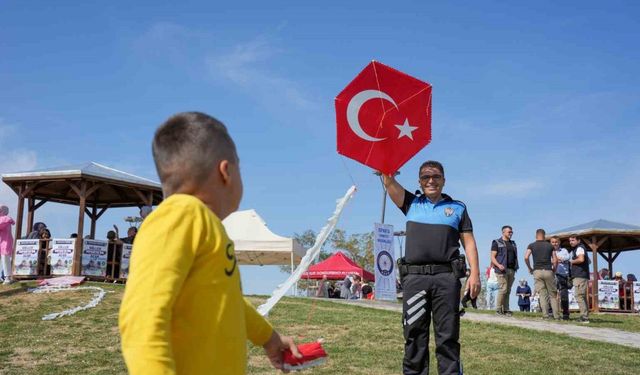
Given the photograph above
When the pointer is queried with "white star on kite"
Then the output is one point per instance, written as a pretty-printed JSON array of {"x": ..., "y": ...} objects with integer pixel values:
[{"x": 406, "y": 130}]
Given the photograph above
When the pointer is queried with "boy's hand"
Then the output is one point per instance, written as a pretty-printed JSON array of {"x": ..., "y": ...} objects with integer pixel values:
[{"x": 276, "y": 345}]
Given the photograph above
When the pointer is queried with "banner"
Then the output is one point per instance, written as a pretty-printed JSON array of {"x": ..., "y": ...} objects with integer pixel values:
[
  {"x": 573, "y": 303},
  {"x": 608, "y": 297},
  {"x": 124, "y": 260},
  {"x": 26, "y": 258},
  {"x": 94, "y": 258},
  {"x": 61, "y": 256},
  {"x": 384, "y": 262},
  {"x": 636, "y": 296}
]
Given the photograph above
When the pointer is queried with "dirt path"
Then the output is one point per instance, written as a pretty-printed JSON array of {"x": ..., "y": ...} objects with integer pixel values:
[{"x": 608, "y": 335}]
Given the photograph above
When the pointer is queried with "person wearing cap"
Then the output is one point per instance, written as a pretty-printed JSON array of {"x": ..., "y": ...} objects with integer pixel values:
[
  {"x": 580, "y": 275},
  {"x": 524, "y": 296}
]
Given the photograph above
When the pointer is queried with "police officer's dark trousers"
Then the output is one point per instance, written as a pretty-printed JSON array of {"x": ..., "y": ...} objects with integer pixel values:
[
  {"x": 424, "y": 296},
  {"x": 562, "y": 282}
]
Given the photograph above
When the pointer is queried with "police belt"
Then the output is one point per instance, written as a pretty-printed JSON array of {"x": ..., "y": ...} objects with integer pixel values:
[{"x": 424, "y": 269}]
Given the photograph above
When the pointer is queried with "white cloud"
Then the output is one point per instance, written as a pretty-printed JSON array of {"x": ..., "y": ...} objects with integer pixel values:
[
  {"x": 514, "y": 188},
  {"x": 246, "y": 67}
]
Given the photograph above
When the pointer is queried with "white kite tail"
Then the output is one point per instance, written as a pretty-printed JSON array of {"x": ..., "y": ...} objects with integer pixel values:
[{"x": 309, "y": 257}]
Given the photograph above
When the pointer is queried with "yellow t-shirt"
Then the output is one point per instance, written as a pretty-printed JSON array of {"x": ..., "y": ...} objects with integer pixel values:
[{"x": 183, "y": 311}]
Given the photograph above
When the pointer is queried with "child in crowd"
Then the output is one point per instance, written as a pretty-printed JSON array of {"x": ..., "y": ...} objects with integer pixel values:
[{"x": 183, "y": 311}]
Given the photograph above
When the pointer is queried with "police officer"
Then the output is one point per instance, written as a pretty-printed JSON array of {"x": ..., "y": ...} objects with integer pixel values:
[{"x": 431, "y": 269}]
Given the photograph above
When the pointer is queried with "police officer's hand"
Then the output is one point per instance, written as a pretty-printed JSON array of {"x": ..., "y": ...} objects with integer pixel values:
[{"x": 474, "y": 285}]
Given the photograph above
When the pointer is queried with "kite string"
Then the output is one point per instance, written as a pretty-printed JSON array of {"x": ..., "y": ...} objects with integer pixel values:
[{"x": 344, "y": 164}]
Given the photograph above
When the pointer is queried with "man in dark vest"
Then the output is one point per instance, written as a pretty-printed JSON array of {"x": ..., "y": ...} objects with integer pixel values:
[
  {"x": 432, "y": 269},
  {"x": 504, "y": 259},
  {"x": 544, "y": 264},
  {"x": 580, "y": 275}
]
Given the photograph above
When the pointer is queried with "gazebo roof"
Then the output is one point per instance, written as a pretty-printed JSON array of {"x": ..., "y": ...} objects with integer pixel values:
[
  {"x": 610, "y": 235},
  {"x": 116, "y": 188}
]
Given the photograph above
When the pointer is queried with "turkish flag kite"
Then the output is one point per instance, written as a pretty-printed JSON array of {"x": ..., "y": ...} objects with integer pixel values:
[{"x": 383, "y": 118}]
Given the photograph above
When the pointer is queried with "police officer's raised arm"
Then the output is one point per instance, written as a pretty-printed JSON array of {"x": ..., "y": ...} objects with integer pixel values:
[{"x": 395, "y": 190}]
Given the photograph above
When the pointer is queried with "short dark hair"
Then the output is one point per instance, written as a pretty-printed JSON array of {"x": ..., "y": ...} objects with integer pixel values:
[
  {"x": 432, "y": 164},
  {"x": 505, "y": 227},
  {"x": 541, "y": 232},
  {"x": 188, "y": 146},
  {"x": 574, "y": 236}
]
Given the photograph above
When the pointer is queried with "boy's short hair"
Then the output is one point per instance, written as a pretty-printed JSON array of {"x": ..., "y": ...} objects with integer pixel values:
[
  {"x": 188, "y": 146},
  {"x": 541, "y": 232}
]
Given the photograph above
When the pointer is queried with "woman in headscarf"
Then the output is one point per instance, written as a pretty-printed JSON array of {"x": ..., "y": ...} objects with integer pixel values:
[
  {"x": 6, "y": 243},
  {"x": 524, "y": 294}
]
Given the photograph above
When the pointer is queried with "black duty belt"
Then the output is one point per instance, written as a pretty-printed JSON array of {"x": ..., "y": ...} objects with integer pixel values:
[{"x": 425, "y": 269}]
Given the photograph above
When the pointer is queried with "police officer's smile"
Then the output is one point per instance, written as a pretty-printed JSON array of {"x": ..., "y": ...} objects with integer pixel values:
[{"x": 431, "y": 181}]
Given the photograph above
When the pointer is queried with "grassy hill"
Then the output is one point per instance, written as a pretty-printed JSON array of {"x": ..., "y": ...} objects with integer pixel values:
[{"x": 358, "y": 340}]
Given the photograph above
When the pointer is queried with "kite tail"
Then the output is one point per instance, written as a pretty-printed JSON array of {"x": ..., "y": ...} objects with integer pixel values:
[{"x": 309, "y": 257}]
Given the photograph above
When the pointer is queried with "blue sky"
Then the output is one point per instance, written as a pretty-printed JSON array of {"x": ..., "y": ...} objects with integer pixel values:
[{"x": 535, "y": 106}]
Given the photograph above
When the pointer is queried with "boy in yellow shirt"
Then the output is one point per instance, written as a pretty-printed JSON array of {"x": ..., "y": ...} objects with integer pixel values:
[{"x": 183, "y": 311}]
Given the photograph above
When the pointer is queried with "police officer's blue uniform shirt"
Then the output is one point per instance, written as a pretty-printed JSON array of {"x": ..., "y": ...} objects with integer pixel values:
[{"x": 433, "y": 230}]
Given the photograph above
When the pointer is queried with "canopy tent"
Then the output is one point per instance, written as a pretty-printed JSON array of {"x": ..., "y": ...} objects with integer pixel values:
[
  {"x": 91, "y": 186},
  {"x": 607, "y": 238},
  {"x": 336, "y": 267},
  {"x": 255, "y": 244}
]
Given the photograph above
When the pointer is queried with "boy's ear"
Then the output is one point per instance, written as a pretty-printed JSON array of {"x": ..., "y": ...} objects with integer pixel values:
[{"x": 223, "y": 169}]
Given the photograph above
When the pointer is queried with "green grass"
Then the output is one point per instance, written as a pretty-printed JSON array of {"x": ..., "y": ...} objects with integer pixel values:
[
  {"x": 623, "y": 322},
  {"x": 358, "y": 340}
]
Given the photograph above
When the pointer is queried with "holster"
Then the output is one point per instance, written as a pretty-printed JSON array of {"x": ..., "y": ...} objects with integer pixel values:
[{"x": 459, "y": 266}]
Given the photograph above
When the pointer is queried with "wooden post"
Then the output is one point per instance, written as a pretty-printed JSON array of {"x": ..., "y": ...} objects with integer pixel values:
[
  {"x": 30, "y": 211},
  {"x": 594, "y": 287},
  {"x": 77, "y": 258},
  {"x": 19, "y": 217},
  {"x": 610, "y": 261},
  {"x": 94, "y": 213}
]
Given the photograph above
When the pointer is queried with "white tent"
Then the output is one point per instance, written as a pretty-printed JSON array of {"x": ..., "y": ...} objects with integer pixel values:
[{"x": 256, "y": 244}]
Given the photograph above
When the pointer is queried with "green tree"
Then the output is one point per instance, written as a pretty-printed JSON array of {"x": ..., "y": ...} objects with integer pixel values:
[{"x": 359, "y": 247}]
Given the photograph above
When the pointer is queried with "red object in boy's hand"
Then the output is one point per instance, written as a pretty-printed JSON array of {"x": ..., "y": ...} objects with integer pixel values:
[{"x": 312, "y": 355}]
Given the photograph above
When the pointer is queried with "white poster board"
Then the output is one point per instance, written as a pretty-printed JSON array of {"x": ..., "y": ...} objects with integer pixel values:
[
  {"x": 573, "y": 302},
  {"x": 608, "y": 297},
  {"x": 636, "y": 296},
  {"x": 124, "y": 260},
  {"x": 61, "y": 256},
  {"x": 384, "y": 262},
  {"x": 26, "y": 258},
  {"x": 94, "y": 258}
]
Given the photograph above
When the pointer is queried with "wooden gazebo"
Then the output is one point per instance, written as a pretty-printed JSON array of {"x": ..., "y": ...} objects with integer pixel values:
[
  {"x": 607, "y": 238},
  {"x": 91, "y": 186}
]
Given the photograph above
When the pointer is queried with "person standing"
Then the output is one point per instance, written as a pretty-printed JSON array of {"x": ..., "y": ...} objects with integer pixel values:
[
  {"x": 492, "y": 288},
  {"x": 504, "y": 258},
  {"x": 323, "y": 288},
  {"x": 563, "y": 275},
  {"x": 544, "y": 261},
  {"x": 6, "y": 243},
  {"x": 432, "y": 268},
  {"x": 345, "y": 288},
  {"x": 524, "y": 296},
  {"x": 580, "y": 276}
]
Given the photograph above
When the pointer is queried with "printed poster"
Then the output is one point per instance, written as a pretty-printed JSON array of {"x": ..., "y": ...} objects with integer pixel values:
[
  {"x": 384, "y": 262},
  {"x": 94, "y": 258},
  {"x": 26, "y": 258},
  {"x": 608, "y": 297},
  {"x": 636, "y": 296},
  {"x": 573, "y": 303},
  {"x": 124, "y": 260},
  {"x": 61, "y": 256}
]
